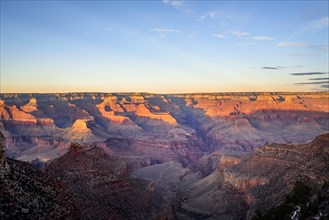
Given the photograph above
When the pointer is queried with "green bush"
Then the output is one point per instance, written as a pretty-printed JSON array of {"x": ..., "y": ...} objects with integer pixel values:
[{"x": 300, "y": 194}]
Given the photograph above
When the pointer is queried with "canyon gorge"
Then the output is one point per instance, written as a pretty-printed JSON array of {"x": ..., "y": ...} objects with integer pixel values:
[{"x": 163, "y": 156}]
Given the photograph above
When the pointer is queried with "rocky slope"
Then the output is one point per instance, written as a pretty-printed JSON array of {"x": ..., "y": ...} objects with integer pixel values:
[
  {"x": 26, "y": 193},
  {"x": 100, "y": 186},
  {"x": 269, "y": 174}
]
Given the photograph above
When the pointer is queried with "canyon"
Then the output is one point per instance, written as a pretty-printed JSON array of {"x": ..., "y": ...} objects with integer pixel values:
[
  {"x": 182, "y": 156},
  {"x": 158, "y": 127}
]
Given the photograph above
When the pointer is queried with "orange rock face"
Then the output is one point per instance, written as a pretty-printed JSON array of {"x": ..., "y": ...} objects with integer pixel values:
[
  {"x": 80, "y": 126},
  {"x": 141, "y": 110},
  {"x": 223, "y": 105},
  {"x": 110, "y": 104},
  {"x": 31, "y": 106},
  {"x": 13, "y": 113},
  {"x": 113, "y": 109}
]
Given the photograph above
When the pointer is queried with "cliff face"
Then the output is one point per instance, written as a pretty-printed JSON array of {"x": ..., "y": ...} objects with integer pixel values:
[
  {"x": 26, "y": 193},
  {"x": 159, "y": 127}
]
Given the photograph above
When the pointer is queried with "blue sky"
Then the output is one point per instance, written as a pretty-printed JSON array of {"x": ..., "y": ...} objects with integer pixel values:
[{"x": 164, "y": 46}]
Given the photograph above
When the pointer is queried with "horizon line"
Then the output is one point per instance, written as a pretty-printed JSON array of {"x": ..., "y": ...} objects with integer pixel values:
[{"x": 153, "y": 93}]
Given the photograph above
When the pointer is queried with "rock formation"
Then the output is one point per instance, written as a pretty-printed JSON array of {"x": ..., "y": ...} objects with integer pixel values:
[
  {"x": 100, "y": 186},
  {"x": 26, "y": 193},
  {"x": 31, "y": 106},
  {"x": 79, "y": 132}
]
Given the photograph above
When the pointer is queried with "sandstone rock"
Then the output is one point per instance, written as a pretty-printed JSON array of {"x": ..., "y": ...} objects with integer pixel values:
[
  {"x": 79, "y": 132},
  {"x": 30, "y": 106},
  {"x": 80, "y": 126}
]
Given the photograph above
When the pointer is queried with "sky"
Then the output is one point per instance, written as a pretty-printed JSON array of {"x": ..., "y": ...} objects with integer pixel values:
[{"x": 164, "y": 46}]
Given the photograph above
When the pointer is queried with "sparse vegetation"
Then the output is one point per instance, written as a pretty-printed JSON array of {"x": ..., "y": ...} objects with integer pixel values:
[{"x": 311, "y": 203}]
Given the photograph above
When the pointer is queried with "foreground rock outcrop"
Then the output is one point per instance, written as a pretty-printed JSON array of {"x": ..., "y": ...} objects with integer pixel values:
[
  {"x": 100, "y": 186},
  {"x": 26, "y": 193}
]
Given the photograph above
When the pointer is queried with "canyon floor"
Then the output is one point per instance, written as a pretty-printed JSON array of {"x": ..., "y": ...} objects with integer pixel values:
[{"x": 158, "y": 156}]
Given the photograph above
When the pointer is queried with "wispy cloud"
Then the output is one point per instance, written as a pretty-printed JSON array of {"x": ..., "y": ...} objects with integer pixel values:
[
  {"x": 290, "y": 44},
  {"x": 210, "y": 14},
  {"x": 312, "y": 83},
  {"x": 320, "y": 89},
  {"x": 308, "y": 73},
  {"x": 320, "y": 23},
  {"x": 321, "y": 82},
  {"x": 309, "y": 26},
  {"x": 324, "y": 48},
  {"x": 270, "y": 68},
  {"x": 319, "y": 47},
  {"x": 178, "y": 5},
  {"x": 174, "y": 3},
  {"x": 280, "y": 67},
  {"x": 327, "y": 78},
  {"x": 304, "y": 54},
  {"x": 219, "y": 36},
  {"x": 239, "y": 33},
  {"x": 262, "y": 38},
  {"x": 166, "y": 30}
]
